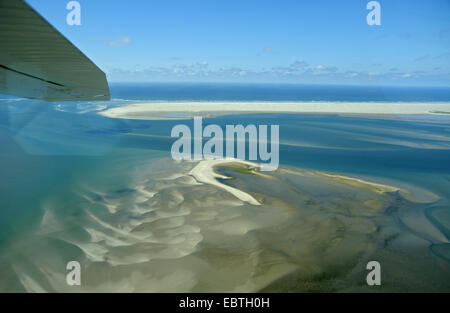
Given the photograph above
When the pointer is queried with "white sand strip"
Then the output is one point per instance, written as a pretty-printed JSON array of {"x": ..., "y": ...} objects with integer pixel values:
[
  {"x": 381, "y": 187},
  {"x": 204, "y": 172},
  {"x": 156, "y": 110}
]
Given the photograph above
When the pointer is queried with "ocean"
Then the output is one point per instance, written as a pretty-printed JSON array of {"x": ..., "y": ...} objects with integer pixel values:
[
  {"x": 76, "y": 185},
  {"x": 275, "y": 92}
]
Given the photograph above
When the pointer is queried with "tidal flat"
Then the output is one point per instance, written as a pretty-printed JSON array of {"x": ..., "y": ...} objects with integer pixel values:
[
  {"x": 309, "y": 231},
  {"x": 79, "y": 186}
]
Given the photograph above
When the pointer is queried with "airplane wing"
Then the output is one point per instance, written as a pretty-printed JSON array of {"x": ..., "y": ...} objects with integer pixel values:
[{"x": 38, "y": 62}]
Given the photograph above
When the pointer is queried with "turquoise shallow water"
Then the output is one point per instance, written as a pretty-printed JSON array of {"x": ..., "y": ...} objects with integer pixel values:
[{"x": 54, "y": 154}]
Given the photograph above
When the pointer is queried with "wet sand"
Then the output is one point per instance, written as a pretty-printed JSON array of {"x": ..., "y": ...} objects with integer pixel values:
[{"x": 221, "y": 226}]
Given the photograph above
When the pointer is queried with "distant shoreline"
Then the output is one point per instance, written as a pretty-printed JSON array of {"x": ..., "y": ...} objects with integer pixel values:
[{"x": 184, "y": 110}]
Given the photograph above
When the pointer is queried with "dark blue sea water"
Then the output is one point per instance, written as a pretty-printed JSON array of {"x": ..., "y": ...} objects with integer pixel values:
[{"x": 276, "y": 92}]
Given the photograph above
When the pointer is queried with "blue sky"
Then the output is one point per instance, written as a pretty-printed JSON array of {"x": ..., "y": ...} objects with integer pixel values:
[{"x": 279, "y": 41}]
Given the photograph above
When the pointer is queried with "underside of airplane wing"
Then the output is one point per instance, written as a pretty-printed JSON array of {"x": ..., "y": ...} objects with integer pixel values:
[{"x": 38, "y": 62}]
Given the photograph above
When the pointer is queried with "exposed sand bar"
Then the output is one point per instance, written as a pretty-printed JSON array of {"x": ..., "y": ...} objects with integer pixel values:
[
  {"x": 169, "y": 110},
  {"x": 204, "y": 172}
]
